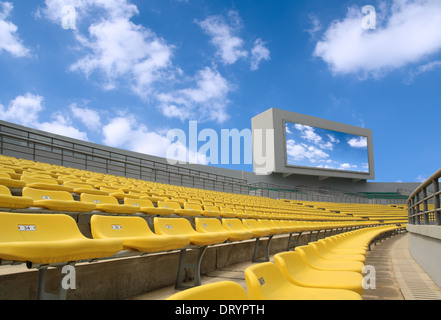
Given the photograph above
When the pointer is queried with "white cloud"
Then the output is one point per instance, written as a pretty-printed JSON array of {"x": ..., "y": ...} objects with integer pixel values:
[
  {"x": 347, "y": 166},
  {"x": 208, "y": 100},
  {"x": 90, "y": 118},
  {"x": 26, "y": 109},
  {"x": 315, "y": 25},
  {"x": 421, "y": 178},
  {"x": 423, "y": 69},
  {"x": 230, "y": 46},
  {"x": 411, "y": 33},
  {"x": 23, "y": 110},
  {"x": 259, "y": 53},
  {"x": 360, "y": 142},
  {"x": 299, "y": 152},
  {"x": 9, "y": 39}
]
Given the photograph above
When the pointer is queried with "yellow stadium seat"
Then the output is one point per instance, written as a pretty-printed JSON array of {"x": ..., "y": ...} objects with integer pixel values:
[
  {"x": 80, "y": 188},
  {"x": 317, "y": 262},
  {"x": 43, "y": 183},
  {"x": 297, "y": 271},
  {"x": 49, "y": 238},
  {"x": 272, "y": 226},
  {"x": 146, "y": 206},
  {"x": 135, "y": 234},
  {"x": 7, "y": 181},
  {"x": 265, "y": 281},
  {"x": 324, "y": 252},
  {"x": 178, "y": 209},
  {"x": 220, "y": 291},
  {"x": 214, "y": 225},
  {"x": 257, "y": 228},
  {"x": 56, "y": 200},
  {"x": 211, "y": 211},
  {"x": 181, "y": 226},
  {"x": 236, "y": 225},
  {"x": 7, "y": 200},
  {"x": 108, "y": 204}
]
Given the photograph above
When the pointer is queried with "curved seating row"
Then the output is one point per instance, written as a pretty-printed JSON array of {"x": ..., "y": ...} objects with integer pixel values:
[{"x": 331, "y": 270}]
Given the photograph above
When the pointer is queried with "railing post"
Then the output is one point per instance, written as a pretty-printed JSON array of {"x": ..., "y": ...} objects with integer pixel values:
[
  {"x": 425, "y": 207},
  {"x": 437, "y": 202}
]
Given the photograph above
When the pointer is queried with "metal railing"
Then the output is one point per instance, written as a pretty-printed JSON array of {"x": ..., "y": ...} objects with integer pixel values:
[{"x": 424, "y": 203}]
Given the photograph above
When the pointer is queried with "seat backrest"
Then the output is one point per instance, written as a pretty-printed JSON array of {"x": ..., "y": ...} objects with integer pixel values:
[
  {"x": 118, "y": 227},
  {"x": 209, "y": 225},
  {"x": 233, "y": 224},
  {"x": 169, "y": 204},
  {"x": 98, "y": 199},
  {"x": 5, "y": 191},
  {"x": 172, "y": 226},
  {"x": 78, "y": 184},
  {"x": 253, "y": 224},
  {"x": 31, "y": 179},
  {"x": 143, "y": 203},
  {"x": 211, "y": 208},
  {"x": 40, "y": 194},
  {"x": 192, "y": 206},
  {"x": 290, "y": 263},
  {"x": 262, "y": 279},
  {"x": 223, "y": 290},
  {"x": 20, "y": 227}
]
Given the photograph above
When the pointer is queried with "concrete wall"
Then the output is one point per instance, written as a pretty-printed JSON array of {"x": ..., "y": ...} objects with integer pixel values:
[{"x": 425, "y": 248}]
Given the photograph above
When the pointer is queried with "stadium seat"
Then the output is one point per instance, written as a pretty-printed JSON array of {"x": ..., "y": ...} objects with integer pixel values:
[
  {"x": 7, "y": 181},
  {"x": 56, "y": 200},
  {"x": 223, "y": 290},
  {"x": 297, "y": 271},
  {"x": 135, "y": 234},
  {"x": 310, "y": 255},
  {"x": 265, "y": 281},
  {"x": 79, "y": 188},
  {"x": 211, "y": 211},
  {"x": 187, "y": 212},
  {"x": 45, "y": 184},
  {"x": 214, "y": 225},
  {"x": 257, "y": 228},
  {"x": 324, "y": 252},
  {"x": 146, "y": 206},
  {"x": 49, "y": 238},
  {"x": 7, "y": 200},
  {"x": 181, "y": 226},
  {"x": 108, "y": 204},
  {"x": 237, "y": 226}
]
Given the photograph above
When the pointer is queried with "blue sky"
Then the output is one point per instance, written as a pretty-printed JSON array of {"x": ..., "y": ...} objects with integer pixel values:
[
  {"x": 124, "y": 73},
  {"x": 321, "y": 148}
]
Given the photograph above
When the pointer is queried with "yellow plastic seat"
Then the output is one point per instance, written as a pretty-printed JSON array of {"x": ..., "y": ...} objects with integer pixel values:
[
  {"x": 176, "y": 206},
  {"x": 297, "y": 271},
  {"x": 214, "y": 225},
  {"x": 211, "y": 211},
  {"x": 135, "y": 234},
  {"x": 49, "y": 238},
  {"x": 56, "y": 200},
  {"x": 45, "y": 184},
  {"x": 181, "y": 226},
  {"x": 108, "y": 204},
  {"x": 7, "y": 181},
  {"x": 265, "y": 281},
  {"x": 257, "y": 228},
  {"x": 323, "y": 251},
  {"x": 80, "y": 188},
  {"x": 272, "y": 226},
  {"x": 227, "y": 213},
  {"x": 146, "y": 206},
  {"x": 236, "y": 225},
  {"x": 220, "y": 291},
  {"x": 340, "y": 249},
  {"x": 7, "y": 200},
  {"x": 317, "y": 262}
]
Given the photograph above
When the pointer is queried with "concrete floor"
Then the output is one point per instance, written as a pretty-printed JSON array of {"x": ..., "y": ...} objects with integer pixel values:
[{"x": 397, "y": 275}]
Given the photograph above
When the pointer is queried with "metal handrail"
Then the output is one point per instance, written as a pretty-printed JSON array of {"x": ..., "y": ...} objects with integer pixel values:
[{"x": 421, "y": 197}]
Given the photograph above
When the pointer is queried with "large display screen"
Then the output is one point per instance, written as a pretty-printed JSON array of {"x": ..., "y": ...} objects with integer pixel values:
[{"x": 313, "y": 147}]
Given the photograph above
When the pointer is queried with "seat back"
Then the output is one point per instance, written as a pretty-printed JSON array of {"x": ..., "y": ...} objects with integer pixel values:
[
  {"x": 118, "y": 227},
  {"x": 40, "y": 194},
  {"x": 98, "y": 199},
  {"x": 169, "y": 204},
  {"x": 142, "y": 203},
  {"x": 172, "y": 226},
  {"x": 31, "y": 179},
  {"x": 233, "y": 224},
  {"x": 290, "y": 263},
  {"x": 209, "y": 225},
  {"x": 262, "y": 279},
  {"x": 192, "y": 206},
  {"x": 223, "y": 290},
  {"x": 5, "y": 191},
  {"x": 21, "y": 227}
]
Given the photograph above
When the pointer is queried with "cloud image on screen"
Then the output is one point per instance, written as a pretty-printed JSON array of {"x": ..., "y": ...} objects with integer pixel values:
[{"x": 312, "y": 147}]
